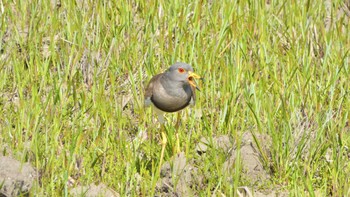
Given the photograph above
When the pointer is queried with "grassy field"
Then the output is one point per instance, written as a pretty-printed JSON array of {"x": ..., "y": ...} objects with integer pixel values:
[{"x": 73, "y": 73}]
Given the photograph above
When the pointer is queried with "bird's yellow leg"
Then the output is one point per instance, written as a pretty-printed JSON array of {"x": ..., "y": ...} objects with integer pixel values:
[
  {"x": 164, "y": 141},
  {"x": 178, "y": 121},
  {"x": 177, "y": 143}
]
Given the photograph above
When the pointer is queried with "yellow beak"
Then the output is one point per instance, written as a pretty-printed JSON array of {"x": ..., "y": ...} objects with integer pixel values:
[{"x": 191, "y": 77}]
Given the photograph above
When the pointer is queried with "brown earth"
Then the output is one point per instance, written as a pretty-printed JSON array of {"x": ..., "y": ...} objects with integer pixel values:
[
  {"x": 93, "y": 190},
  {"x": 179, "y": 177}
]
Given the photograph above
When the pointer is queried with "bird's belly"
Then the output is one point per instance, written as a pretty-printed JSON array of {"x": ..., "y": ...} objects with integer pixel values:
[{"x": 169, "y": 103}]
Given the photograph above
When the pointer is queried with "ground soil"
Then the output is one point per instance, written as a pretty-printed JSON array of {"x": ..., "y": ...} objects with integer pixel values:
[{"x": 179, "y": 175}]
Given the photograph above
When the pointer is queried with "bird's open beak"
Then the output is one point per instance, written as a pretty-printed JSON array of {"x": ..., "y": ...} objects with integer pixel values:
[{"x": 191, "y": 79}]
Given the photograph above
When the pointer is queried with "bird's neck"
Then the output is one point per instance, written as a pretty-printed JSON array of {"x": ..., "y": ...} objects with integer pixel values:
[{"x": 171, "y": 83}]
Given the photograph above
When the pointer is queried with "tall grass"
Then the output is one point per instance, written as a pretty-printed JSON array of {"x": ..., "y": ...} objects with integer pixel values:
[{"x": 72, "y": 76}]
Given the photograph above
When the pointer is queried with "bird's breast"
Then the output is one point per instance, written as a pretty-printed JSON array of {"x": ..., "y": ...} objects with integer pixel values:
[{"x": 171, "y": 100}]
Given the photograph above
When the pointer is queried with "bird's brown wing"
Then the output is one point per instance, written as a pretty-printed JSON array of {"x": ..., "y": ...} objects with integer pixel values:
[{"x": 149, "y": 89}]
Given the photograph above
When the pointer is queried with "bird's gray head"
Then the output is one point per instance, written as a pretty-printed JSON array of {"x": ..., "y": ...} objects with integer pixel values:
[
  {"x": 182, "y": 73},
  {"x": 179, "y": 72}
]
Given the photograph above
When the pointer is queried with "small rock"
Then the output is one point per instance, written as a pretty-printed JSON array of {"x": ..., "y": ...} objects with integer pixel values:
[
  {"x": 202, "y": 146},
  {"x": 15, "y": 178}
]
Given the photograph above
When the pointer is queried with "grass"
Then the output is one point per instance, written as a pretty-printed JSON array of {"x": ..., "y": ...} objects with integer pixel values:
[{"x": 72, "y": 76}]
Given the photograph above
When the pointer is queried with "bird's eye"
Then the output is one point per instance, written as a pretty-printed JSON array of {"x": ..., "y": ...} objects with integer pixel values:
[{"x": 181, "y": 70}]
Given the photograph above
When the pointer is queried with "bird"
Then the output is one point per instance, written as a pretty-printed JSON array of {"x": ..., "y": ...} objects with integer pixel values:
[{"x": 169, "y": 92}]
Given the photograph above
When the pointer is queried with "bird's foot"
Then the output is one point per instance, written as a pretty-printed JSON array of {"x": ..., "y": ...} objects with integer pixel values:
[{"x": 177, "y": 145}]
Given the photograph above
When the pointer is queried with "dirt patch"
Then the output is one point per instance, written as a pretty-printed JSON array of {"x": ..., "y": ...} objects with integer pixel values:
[
  {"x": 251, "y": 157},
  {"x": 94, "y": 190},
  {"x": 245, "y": 192},
  {"x": 178, "y": 179},
  {"x": 270, "y": 194},
  {"x": 223, "y": 142},
  {"x": 15, "y": 178},
  {"x": 254, "y": 170}
]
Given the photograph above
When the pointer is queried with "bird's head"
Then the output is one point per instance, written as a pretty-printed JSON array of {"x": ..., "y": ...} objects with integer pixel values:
[{"x": 183, "y": 72}]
